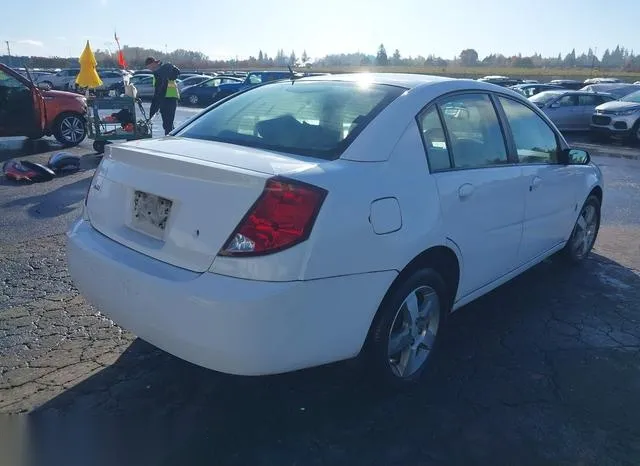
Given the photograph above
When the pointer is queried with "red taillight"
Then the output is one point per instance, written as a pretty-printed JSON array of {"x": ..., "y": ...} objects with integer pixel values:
[{"x": 283, "y": 216}]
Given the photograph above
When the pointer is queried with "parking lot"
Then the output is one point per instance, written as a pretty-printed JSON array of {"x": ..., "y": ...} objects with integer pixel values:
[{"x": 544, "y": 370}]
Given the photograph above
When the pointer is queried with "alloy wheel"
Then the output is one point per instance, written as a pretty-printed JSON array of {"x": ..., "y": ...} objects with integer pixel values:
[
  {"x": 413, "y": 331},
  {"x": 584, "y": 233},
  {"x": 72, "y": 129}
]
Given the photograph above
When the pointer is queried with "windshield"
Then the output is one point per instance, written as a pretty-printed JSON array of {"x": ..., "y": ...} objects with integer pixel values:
[
  {"x": 633, "y": 97},
  {"x": 544, "y": 97},
  {"x": 317, "y": 119}
]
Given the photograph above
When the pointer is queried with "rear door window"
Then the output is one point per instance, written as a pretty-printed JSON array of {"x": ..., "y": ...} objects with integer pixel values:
[
  {"x": 434, "y": 139},
  {"x": 589, "y": 100},
  {"x": 474, "y": 131}
]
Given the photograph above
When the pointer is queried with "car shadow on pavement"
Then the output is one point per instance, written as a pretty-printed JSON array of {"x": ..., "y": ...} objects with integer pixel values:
[
  {"x": 59, "y": 201},
  {"x": 541, "y": 371}
]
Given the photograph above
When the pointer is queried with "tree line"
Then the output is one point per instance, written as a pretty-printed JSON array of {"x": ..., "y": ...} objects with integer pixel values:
[{"x": 619, "y": 58}]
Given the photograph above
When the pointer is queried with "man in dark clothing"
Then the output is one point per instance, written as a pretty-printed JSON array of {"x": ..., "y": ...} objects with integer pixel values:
[{"x": 166, "y": 95}]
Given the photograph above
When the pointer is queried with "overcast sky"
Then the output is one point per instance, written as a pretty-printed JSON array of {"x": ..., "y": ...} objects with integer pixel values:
[{"x": 223, "y": 28}]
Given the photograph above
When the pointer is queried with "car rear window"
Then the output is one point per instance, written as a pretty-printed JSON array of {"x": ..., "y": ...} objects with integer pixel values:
[{"x": 313, "y": 118}]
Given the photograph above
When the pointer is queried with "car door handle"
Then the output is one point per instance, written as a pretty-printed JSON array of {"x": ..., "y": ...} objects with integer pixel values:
[
  {"x": 535, "y": 183},
  {"x": 465, "y": 190}
]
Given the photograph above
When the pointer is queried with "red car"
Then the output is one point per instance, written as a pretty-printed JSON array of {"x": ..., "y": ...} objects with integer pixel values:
[{"x": 26, "y": 110}]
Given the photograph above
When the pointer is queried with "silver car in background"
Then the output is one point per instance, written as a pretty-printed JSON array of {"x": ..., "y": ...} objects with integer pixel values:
[
  {"x": 570, "y": 110},
  {"x": 143, "y": 84},
  {"x": 620, "y": 118}
]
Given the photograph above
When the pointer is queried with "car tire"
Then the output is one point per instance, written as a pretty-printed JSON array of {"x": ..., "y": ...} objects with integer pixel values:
[
  {"x": 99, "y": 146},
  {"x": 634, "y": 136},
  {"x": 193, "y": 99},
  {"x": 70, "y": 129},
  {"x": 399, "y": 346},
  {"x": 585, "y": 231}
]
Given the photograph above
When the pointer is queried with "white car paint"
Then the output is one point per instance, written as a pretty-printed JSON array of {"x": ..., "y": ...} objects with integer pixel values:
[{"x": 312, "y": 303}]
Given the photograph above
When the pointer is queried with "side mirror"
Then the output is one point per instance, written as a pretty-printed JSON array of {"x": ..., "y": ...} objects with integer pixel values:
[
  {"x": 555, "y": 105},
  {"x": 43, "y": 86},
  {"x": 575, "y": 157}
]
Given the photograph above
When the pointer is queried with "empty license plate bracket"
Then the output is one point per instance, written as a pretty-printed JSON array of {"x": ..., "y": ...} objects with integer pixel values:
[{"x": 150, "y": 213}]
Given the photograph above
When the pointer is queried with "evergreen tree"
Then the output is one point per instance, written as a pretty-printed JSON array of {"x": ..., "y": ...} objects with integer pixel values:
[{"x": 381, "y": 57}]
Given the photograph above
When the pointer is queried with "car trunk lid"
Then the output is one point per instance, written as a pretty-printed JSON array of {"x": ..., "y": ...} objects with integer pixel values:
[{"x": 179, "y": 200}]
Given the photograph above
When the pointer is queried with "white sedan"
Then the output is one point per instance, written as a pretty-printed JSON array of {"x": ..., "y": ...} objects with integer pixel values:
[{"x": 305, "y": 222}]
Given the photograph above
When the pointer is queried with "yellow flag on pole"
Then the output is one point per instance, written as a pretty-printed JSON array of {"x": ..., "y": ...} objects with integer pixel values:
[{"x": 88, "y": 76}]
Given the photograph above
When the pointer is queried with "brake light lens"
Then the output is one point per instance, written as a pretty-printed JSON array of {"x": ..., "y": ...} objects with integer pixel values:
[{"x": 282, "y": 217}]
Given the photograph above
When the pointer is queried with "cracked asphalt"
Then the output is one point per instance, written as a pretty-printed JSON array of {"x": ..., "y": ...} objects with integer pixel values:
[{"x": 544, "y": 370}]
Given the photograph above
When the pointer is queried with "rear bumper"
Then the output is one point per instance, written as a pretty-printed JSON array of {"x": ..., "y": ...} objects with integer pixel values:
[{"x": 231, "y": 325}]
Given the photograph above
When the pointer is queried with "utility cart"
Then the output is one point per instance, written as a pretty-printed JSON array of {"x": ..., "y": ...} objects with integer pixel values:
[{"x": 116, "y": 118}]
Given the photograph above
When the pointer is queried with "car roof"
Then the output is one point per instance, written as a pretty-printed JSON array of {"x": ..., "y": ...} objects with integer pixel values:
[
  {"x": 566, "y": 81},
  {"x": 571, "y": 92},
  {"x": 406, "y": 80},
  {"x": 269, "y": 72},
  {"x": 522, "y": 86}
]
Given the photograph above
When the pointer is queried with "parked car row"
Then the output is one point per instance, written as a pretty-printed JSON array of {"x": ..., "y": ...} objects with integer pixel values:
[
  {"x": 221, "y": 86},
  {"x": 606, "y": 107},
  {"x": 204, "y": 89},
  {"x": 65, "y": 79},
  {"x": 604, "y": 115},
  {"x": 213, "y": 90}
]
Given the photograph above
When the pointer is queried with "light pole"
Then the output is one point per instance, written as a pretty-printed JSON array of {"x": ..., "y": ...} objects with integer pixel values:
[{"x": 8, "y": 51}]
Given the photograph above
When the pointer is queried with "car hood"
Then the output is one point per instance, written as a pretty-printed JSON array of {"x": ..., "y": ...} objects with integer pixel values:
[
  {"x": 618, "y": 105},
  {"x": 60, "y": 94}
]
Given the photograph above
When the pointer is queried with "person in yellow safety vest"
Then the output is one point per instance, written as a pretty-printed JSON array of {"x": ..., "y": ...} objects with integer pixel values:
[{"x": 166, "y": 94}]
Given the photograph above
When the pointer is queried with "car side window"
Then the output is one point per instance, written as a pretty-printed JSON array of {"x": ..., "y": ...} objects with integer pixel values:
[
  {"x": 603, "y": 99},
  {"x": 474, "y": 131},
  {"x": 9, "y": 82},
  {"x": 567, "y": 101},
  {"x": 535, "y": 141},
  {"x": 435, "y": 142},
  {"x": 590, "y": 100}
]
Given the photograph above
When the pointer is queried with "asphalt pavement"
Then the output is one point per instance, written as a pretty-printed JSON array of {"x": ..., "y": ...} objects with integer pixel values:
[{"x": 544, "y": 370}]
